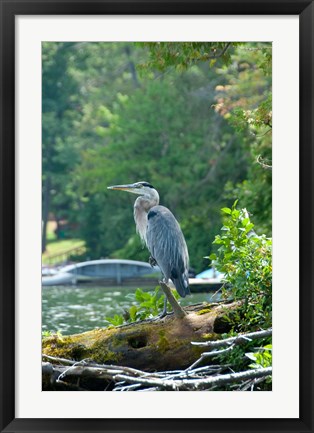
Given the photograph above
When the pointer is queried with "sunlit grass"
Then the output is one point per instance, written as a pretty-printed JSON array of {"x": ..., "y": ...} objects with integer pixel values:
[
  {"x": 62, "y": 248},
  {"x": 51, "y": 226},
  {"x": 57, "y": 251}
]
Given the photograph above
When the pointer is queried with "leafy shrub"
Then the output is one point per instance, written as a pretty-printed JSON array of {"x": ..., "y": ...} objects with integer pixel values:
[
  {"x": 145, "y": 305},
  {"x": 245, "y": 259},
  {"x": 262, "y": 358}
]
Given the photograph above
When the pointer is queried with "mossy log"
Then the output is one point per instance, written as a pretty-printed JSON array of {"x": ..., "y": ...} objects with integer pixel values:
[{"x": 150, "y": 345}]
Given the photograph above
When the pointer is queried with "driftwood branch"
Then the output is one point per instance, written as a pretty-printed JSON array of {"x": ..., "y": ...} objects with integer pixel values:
[
  {"x": 250, "y": 384},
  {"x": 242, "y": 338},
  {"x": 56, "y": 359},
  {"x": 193, "y": 378},
  {"x": 197, "y": 384},
  {"x": 232, "y": 342},
  {"x": 128, "y": 379}
]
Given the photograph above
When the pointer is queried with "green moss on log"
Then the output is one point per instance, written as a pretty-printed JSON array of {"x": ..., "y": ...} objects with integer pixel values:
[{"x": 149, "y": 345}]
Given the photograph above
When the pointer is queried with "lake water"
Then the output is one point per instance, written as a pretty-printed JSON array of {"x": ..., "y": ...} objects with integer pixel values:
[{"x": 71, "y": 309}]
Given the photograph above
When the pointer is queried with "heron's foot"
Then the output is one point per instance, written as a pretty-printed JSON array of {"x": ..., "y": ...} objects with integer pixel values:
[
  {"x": 164, "y": 311},
  {"x": 160, "y": 316},
  {"x": 152, "y": 261}
]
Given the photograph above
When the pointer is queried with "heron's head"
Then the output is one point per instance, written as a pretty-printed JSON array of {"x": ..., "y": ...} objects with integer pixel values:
[{"x": 139, "y": 188}]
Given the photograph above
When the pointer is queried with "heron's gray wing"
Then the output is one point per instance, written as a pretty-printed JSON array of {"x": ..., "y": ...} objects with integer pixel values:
[{"x": 166, "y": 244}]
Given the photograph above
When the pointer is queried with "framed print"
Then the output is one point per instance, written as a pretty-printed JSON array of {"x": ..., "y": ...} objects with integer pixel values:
[{"x": 94, "y": 94}]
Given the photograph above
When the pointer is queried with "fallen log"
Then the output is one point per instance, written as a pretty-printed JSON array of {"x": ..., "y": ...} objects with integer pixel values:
[{"x": 150, "y": 345}]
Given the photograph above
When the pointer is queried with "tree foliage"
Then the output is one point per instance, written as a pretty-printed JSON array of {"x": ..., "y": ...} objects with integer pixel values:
[
  {"x": 182, "y": 55},
  {"x": 193, "y": 119},
  {"x": 245, "y": 259}
]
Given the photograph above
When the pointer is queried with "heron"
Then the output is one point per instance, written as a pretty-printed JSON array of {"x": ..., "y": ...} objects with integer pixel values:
[{"x": 161, "y": 232}]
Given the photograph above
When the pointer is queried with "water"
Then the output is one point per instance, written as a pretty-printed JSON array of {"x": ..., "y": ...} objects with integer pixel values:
[{"x": 71, "y": 309}]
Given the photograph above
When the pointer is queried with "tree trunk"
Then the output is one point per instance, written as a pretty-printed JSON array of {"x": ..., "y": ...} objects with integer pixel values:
[
  {"x": 150, "y": 345},
  {"x": 46, "y": 207},
  {"x": 132, "y": 67}
]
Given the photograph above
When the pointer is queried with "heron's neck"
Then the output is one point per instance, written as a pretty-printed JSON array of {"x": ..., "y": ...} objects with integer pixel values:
[{"x": 142, "y": 206}]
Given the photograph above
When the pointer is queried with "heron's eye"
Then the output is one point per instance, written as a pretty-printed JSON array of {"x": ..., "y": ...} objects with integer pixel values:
[{"x": 147, "y": 185}]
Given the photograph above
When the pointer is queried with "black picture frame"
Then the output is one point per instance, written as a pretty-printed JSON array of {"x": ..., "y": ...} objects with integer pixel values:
[{"x": 8, "y": 10}]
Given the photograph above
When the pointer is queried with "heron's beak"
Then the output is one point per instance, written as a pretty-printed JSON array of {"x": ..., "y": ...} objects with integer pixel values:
[{"x": 130, "y": 188}]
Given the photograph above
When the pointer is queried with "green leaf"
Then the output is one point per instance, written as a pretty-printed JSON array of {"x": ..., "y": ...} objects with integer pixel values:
[
  {"x": 133, "y": 310},
  {"x": 249, "y": 227},
  {"x": 235, "y": 204},
  {"x": 116, "y": 320},
  {"x": 225, "y": 228},
  {"x": 245, "y": 221},
  {"x": 251, "y": 356},
  {"x": 226, "y": 210}
]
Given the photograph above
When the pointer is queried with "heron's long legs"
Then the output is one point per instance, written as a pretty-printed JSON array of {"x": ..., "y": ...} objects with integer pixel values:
[
  {"x": 152, "y": 261},
  {"x": 177, "y": 309},
  {"x": 164, "y": 311}
]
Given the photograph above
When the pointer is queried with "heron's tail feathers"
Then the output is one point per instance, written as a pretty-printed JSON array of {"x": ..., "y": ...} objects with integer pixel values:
[{"x": 182, "y": 284}]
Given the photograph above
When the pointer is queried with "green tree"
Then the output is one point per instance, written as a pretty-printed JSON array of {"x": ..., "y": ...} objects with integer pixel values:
[
  {"x": 165, "y": 133},
  {"x": 245, "y": 100},
  {"x": 80, "y": 82},
  {"x": 59, "y": 110},
  {"x": 193, "y": 122},
  {"x": 243, "y": 97}
]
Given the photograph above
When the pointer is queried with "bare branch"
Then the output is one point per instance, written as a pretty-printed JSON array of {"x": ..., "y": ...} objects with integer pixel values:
[
  {"x": 231, "y": 342},
  {"x": 62, "y": 360},
  {"x": 208, "y": 355},
  {"x": 128, "y": 379},
  {"x": 236, "y": 340},
  {"x": 252, "y": 383},
  {"x": 208, "y": 377},
  {"x": 222, "y": 52},
  {"x": 99, "y": 372},
  {"x": 261, "y": 162},
  {"x": 197, "y": 384}
]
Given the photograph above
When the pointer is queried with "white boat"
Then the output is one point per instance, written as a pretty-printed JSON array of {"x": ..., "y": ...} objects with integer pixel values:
[
  {"x": 47, "y": 271},
  {"x": 210, "y": 274},
  {"x": 210, "y": 279},
  {"x": 110, "y": 271}
]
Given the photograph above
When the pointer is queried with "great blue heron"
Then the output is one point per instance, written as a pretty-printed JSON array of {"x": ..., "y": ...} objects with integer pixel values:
[{"x": 162, "y": 235}]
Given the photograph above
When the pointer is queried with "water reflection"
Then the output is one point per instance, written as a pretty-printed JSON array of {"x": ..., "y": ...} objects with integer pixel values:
[{"x": 71, "y": 309}]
